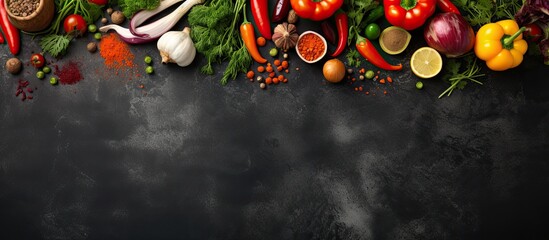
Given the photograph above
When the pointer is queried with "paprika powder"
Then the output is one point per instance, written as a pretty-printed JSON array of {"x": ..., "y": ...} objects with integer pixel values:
[{"x": 311, "y": 47}]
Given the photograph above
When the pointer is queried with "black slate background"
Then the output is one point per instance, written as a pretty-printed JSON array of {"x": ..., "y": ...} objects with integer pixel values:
[{"x": 186, "y": 158}]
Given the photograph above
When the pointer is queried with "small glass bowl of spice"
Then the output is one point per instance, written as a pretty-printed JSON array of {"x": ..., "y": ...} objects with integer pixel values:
[
  {"x": 394, "y": 40},
  {"x": 30, "y": 15},
  {"x": 311, "y": 47}
]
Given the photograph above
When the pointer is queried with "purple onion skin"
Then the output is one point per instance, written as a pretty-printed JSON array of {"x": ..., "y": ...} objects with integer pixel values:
[{"x": 450, "y": 34}]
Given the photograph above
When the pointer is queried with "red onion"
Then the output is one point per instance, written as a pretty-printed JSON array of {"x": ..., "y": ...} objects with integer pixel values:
[{"x": 450, "y": 34}]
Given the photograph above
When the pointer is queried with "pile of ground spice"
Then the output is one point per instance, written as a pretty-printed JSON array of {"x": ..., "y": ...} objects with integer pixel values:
[
  {"x": 116, "y": 53},
  {"x": 69, "y": 73},
  {"x": 394, "y": 39}
]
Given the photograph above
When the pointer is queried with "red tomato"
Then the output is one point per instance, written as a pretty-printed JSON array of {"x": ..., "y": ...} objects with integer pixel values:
[
  {"x": 37, "y": 60},
  {"x": 75, "y": 24},
  {"x": 533, "y": 32},
  {"x": 99, "y": 2}
]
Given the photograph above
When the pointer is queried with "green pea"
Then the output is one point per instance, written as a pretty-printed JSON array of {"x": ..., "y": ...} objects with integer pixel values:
[
  {"x": 92, "y": 28},
  {"x": 40, "y": 74},
  {"x": 149, "y": 70},
  {"x": 97, "y": 36},
  {"x": 273, "y": 52},
  {"x": 370, "y": 74},
  {"x": 46, "y": 69},
  {"x": 148, "y": 59},
  {"x": 53, "y": 81},
  {"x": 419, "y": 85}
]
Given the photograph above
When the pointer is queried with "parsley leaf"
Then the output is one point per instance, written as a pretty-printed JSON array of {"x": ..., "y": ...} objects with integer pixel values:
[{"x": 55, "y": 44}]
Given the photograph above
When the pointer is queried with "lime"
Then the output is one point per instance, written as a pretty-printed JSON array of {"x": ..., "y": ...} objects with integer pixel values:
[
  {"x": 426, "y": 62},
  {"x": 372, "y": 31}
]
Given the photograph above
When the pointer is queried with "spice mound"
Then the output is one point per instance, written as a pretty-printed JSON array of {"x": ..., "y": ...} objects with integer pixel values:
[
  {"x": 23, "y": 8},
  {"x": 311, "y": 47},
  {"x": 116, "y": 53},
  {"x": 394, "y": 40},
  {"x": 69, "y": 73}
]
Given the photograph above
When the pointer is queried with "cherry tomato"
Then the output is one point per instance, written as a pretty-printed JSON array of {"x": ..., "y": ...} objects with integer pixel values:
[
  {"x": 99, "y": 2},
  {"x": 533, "y": 33},
  {"x": 37, "y": 60},
  {"x": 75, "y": 24}
]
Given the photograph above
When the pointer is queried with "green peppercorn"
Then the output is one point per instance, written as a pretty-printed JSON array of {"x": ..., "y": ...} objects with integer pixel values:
[
  {"x": 97, "y": 36},
  {"x": 419, "y": 85},
  {"x": 53, "y": 81},
  {"x": 149, "y": 70},
  {"x": 40, "y": 75},
  {"x": 92, "y": 28},
  {"x": 273, "y": 52},
  {"x": 148, "y": 59},
  {"x": 46, "y": 69},
  {"x": 370, "y": 74}
]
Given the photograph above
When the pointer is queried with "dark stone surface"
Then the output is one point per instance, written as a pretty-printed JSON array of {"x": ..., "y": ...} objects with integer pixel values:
[{"x": 186, "y": 158}]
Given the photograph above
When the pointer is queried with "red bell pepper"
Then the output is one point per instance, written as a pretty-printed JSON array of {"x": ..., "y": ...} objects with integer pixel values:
[
  {"x": 10, "y": 32},
  {"x": 261, "y": 17},
  {"x": 408, "y": 14},
  {"x": 369, "y": 51},
  {"x": 316, "y": 10},
  {"x": 342, "y": 24}
]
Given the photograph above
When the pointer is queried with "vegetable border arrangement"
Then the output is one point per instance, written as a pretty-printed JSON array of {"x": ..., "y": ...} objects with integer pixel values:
[{"x": 472, "y": 36}]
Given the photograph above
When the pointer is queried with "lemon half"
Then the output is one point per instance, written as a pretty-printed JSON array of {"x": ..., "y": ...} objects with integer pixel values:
[{"x": 426, "y": 62}]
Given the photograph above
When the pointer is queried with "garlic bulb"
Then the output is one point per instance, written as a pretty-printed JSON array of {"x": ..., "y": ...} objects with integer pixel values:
[{"x": 177, "y": 47}]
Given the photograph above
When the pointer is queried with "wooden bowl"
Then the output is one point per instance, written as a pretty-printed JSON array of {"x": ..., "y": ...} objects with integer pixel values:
[{"x": 37, "y": 21}]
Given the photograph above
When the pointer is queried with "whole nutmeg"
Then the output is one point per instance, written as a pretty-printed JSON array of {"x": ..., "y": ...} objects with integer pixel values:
[
  {"x": 13, "y": 65},
  {"x": 292, "y": 17},
  {"x": 117, "y": 17},
  {"x": 92, "y": 47}
]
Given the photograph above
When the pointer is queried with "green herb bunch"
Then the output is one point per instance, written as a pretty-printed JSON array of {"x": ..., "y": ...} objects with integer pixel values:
[
  {"x": 216, "y": 35},
  {"x": 480, "y": 12},
  {"x": 358, "y": 18},
  {"x": 457, "y": 78}
]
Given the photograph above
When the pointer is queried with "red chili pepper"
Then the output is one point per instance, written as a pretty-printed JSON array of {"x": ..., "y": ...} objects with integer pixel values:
[
  {"x": 328, "y": 32},
  {"x": 368, "y": 51},
  {"x": 281, "y": 10},
  {"x": 261, "y": 17},
  {"x": 11, "y": 33},
  {"x": 1, "y": 38},
  {"x": 447, "y": 6},
  {"x": 342, "y": 24}
]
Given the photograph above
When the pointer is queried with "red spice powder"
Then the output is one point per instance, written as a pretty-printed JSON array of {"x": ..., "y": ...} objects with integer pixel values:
[
  {"x": 69, "y": 73},
  {"x": 116, "y": 53}
]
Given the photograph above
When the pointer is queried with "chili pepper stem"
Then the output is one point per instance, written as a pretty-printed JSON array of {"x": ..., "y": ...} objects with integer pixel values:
[
  {"x": 508, "y": 41},
  {"x": 244, "y": 13},
  {"x": 408, "y": 4}
]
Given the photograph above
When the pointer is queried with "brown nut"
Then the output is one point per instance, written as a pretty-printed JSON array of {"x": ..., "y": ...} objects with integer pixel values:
[
  {"x": 13, "y": 65},
  {"x": 92, "y": 47},
  {"x": 117, "y": 17},
  {"x": 292, "y": 17}
]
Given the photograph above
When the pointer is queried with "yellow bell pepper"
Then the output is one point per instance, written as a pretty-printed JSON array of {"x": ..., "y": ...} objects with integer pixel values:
[{"x": 501, "y": 45}]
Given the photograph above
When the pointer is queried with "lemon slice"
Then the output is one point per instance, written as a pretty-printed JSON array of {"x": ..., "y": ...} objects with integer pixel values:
[{"x": 426, "y": 62}]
